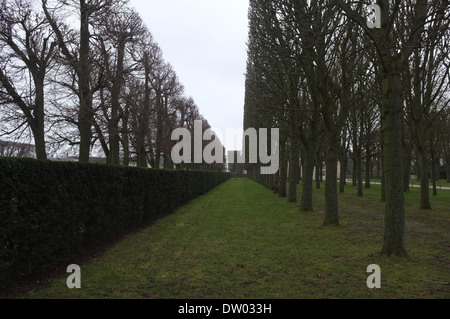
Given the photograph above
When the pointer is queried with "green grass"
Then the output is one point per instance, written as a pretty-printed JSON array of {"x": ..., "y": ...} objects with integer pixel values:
[
  {"x": 415, "y": 182},
  {"x": 242, "y": 241},
  {"x": 439, "y": 183}
]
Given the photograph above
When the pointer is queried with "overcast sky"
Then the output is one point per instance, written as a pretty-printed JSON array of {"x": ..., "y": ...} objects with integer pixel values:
[{"x": 205, "y": 41}]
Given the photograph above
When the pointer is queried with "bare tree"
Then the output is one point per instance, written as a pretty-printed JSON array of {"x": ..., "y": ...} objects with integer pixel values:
[
  {"x": 16, "y": 149},
  {"x": 77, "y": 55},
  {"x": 445, "y": 136},
  {"x": 26, "y": 55},
  {"x": 115, "y": 33},
  {"x": 400, "y": 34},
  {"x": 426, "y": 83},
  {"x": 322, "y": 39}
]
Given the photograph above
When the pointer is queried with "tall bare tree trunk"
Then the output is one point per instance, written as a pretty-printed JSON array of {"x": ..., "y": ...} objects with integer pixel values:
[
  {"x": 394, "y": 232},
  {"x": 406, "y": 167},
  {"x": 282, "y": 192},
  {"x": 343, "y": 174},
  {"x": 319, "y": 168},
  {"x": 125, "y": 136},
  {"x": 424, "y": 178},
  {"x": 307, "y": 180},
  {"x": 391, "y": 59},
  {"x": 144, "y": 117},
  {"x": 114, "y": 132},
  {"x": 359, "y": 173},
  {"x": 38, "y": 126},
  {"x": 293, "y": 170},
  {"x": 86, "y": 113},
  {"x": 331, "y": 195}
]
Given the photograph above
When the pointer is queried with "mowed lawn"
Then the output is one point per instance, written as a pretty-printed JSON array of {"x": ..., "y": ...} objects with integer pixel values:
[{"x": 242, "y": 241}]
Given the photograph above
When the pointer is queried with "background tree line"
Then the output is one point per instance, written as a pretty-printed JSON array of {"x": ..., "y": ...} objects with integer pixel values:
[
  {"x": 340, "y": 90},
  {"x": 86, "y": 76}
]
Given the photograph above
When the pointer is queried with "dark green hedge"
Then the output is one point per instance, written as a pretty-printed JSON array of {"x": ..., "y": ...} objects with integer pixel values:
[{"x": 53, "y": 211}]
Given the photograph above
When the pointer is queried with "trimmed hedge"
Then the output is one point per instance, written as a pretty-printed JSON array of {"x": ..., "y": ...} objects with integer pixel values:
[{"x": 53, "y": 211}]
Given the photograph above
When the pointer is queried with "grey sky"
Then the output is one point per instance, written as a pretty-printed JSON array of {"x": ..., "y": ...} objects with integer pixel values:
[{"x": 205, "y": 41}]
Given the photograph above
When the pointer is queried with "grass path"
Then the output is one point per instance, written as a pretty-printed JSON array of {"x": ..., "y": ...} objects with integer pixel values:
[{"x": 242, "y": 241}]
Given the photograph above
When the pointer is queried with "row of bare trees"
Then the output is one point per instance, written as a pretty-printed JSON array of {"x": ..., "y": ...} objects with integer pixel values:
[
  {"x": 87, "y": 74},
  {"x": 338, "y": 89}
]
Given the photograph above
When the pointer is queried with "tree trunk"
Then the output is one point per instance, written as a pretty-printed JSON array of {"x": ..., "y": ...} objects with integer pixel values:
[
  {"x": 302, "y": 163},
  {"x": 383, "y": 174},
  {"x": 343, "y": 174},
  {"x": 434, "y": 168},
  {"x": 378, "y": 169},
  {"x": 448, "y": 171},
  {"x": 368, "y": 170},
  {"x": 331, "y": 195},
  {"x": 102, "y": 140},
  {"x": 407, "y": 154},
  {"x": 125, "y": 138},
  {"x": 406, "y": 170},
  {"x": 276, "y": 182},
  {"x": 140, "y": 148},
  {"x": 383, "y": 186},
  {"x": 318, "y": 173},
  {"x": 39, "y": 141},
  {"x": 307, "y": 190},
  {"x": 391, "y": 119},
  {"x": 84, "y": 126},
  {"x": 144, "y": 119},
  {"x": 86, "y": 113},
  {"x": 38, "y": 125},
  {"x": 282, "y": 192},
  {"x": 355, "y": 172},
  {"x": 114, "y": 132},
  {"x": 359, "y": 155},
  {"x": 359, "y": 174},
  {"x": 126, "y": 149},
  {"x": 293, "y": 172},
  {"x": 424, "y": 178}
]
